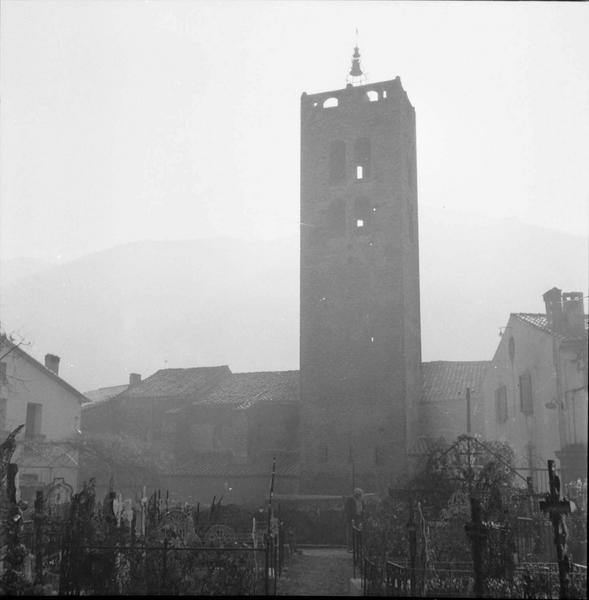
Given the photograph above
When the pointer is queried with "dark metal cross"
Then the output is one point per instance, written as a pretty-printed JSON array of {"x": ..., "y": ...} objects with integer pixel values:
[{"x": 557, "y": 508}]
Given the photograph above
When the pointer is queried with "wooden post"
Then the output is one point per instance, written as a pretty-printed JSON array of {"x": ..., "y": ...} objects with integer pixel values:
[
  {"x": 13, "y": 559},
  {"x": 164, "y": 580},
  {"x": 557, "y": 508},
  {"x": 269, "y": 540},
  {"x": 412, "y": 532},
  {"x": 39, "y": 523},
  {"x": 468, "y": 424},
  {"x": 477, "y": 532}
]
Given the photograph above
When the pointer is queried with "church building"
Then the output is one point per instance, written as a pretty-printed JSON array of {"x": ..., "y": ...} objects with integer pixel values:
[{"x": 362, "y": 406}]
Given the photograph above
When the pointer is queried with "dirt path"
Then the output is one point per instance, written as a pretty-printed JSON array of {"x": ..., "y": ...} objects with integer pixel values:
[{"x": 316, "y": 572}]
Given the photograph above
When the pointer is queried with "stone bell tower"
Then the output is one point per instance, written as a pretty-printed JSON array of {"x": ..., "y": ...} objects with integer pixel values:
[{"x": 360, "y": 324}]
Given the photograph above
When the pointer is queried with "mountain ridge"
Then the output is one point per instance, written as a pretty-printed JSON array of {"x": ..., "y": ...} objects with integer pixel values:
[{"x": 141, "y": 306}]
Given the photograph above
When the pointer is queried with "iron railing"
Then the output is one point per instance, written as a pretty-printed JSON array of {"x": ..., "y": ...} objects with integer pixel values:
[
  {"x": 357, "y": 551},
  {"x": 162, "y": 569}
]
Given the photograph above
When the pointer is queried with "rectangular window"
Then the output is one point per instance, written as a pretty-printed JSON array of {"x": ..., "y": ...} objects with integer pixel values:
[
  {"x": 323, "y": 454},
  {"x": 501, "y": 404},
  {"x": 526, "y": 400},
  {"x": 360, "y": 223},
  {"x": 350, "y": 454},
  {"x": 359, "y": 172},
  {"x": 3, "y": 377},
  {"x": 33, "y": 421}
]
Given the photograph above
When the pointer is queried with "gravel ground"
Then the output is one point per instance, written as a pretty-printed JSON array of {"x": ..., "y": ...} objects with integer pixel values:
[{"x": 316, "y": 572}]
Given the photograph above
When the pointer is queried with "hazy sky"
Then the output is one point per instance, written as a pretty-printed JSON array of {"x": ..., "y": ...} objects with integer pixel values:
[{"x": 128, "y": 120}]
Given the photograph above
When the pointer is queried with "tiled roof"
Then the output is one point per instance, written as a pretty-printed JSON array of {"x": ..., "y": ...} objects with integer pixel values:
[
  {"x": 9, "y": 347},
  {"x": 104, "y": 394},
  {"x": 539, "y": 321},
  {"x": 178, "y": 382},
  {"x": 221, "y": 465},
  {"x": 246, "y": 389},
  {"x": 448, "y": 380}
]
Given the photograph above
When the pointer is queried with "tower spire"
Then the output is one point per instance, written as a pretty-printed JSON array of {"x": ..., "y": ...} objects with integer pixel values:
[{"x": 356, "y": 76}]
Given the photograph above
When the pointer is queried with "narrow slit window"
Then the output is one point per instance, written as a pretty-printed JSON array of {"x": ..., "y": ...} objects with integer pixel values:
[
  {"x": 363, "y": 214},
  {"x": 362, "y": 158}
]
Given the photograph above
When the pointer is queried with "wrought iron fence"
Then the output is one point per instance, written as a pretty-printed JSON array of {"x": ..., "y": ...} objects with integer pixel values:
[
  {"x": 397, "y": 580},
  {"x": 357, "y": 551},
  {"x": 530, "y": 580},
  {"x": 373, "y": 583},
  {"x": 443, "y": 581},
  {"x": 162, "y": 569},
  {"x": 534, "y": 580}
]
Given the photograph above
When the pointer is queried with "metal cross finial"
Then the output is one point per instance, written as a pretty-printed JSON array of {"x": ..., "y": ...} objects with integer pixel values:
[{"x": 356, "y": 76}]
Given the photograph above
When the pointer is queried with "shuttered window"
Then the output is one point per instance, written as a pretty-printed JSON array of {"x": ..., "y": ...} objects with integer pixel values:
[
  {"x": 501, "y": 404},
  {"x": 33, "y": 420},
  {"x": 526, "y": 400}
]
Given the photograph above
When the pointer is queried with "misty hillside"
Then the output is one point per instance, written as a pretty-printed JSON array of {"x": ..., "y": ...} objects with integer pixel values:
[
  {"x": 20, "y": 268},
  {"x": 150, "y": 305}
]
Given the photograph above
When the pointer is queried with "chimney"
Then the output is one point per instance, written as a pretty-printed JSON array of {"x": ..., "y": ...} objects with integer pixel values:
[
  {"x": 134, "y": 379},
  {"x": 52, "y": 363},
  {"x": 554, "y": 316},
  {"x": 574, "y": 313}
]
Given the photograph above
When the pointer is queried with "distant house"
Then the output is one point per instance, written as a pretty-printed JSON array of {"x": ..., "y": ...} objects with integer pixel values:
[
  {"x": 106, "y": 393},
  {"x": 444, "y": 411},
  {"x": 226, "y": 442},
  {"x": 35, "y": 395},
  {"x": 536, "y": 389},
  {"x": 218, "y": 431},
  {"x": 139, "y": 409}
]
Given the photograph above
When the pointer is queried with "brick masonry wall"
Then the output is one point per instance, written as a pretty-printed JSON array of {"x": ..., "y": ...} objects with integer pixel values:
[{"x": 360, "y": 333}]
